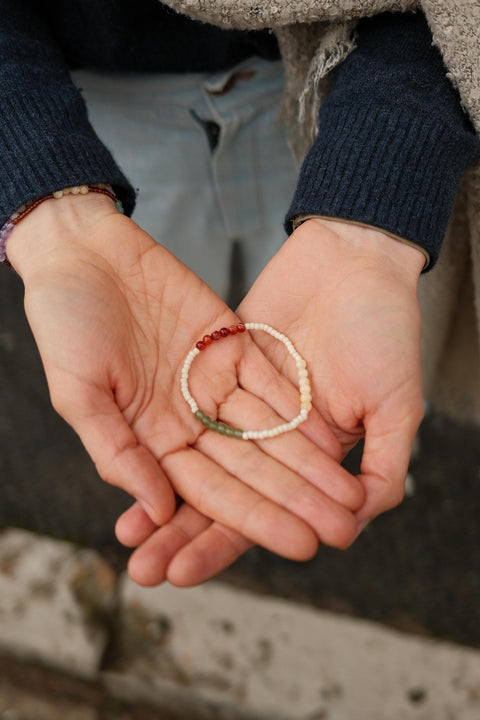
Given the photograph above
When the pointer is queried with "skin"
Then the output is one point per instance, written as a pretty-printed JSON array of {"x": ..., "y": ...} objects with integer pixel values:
[
  {"x": 114, "y": 314},
  {"x": 346, "y": 295}
]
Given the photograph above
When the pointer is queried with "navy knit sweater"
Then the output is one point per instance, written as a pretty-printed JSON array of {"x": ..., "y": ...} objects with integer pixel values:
[{"x": 393, "y": 140}]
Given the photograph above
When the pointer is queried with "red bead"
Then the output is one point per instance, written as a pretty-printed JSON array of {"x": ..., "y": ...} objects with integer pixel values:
[
  {"x": 200, "y": 345},
  {"x": 241, "y": 327},
  {"x": 207, "y": 339},
  {"x": 216, "y": 335},
  {"x": 233, "y": 329},
  {"x": 224, "y": 332}
]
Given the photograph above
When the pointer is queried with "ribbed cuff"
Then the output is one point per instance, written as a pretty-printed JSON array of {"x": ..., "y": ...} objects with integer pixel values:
[
  {"x": 48, "y": 144},
  {"x": 385, "y": 167}
]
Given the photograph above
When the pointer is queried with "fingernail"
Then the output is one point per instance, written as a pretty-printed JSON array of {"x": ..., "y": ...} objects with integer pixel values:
[
  {"x": 148, "y": 509},
  {"x": 362, "y": 526}
]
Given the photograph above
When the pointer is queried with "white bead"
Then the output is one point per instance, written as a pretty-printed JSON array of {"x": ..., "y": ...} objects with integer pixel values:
[{"x": 303, "y": 381}]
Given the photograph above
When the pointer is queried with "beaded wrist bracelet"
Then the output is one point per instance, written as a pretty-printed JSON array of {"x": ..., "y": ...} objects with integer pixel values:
[
  {"x": 26, "y": 209},
  {"x": 223, "y": 428}
]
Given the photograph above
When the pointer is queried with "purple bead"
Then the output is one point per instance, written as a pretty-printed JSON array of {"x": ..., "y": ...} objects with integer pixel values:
[{"x": 5, "y": 232}]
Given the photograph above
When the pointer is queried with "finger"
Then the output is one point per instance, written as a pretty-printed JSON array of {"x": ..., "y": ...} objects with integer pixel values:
[
  {"x": 385, "y": 460},
  {"x": 148, "y": 564},
  {"x": 134, "y": 526},
  {"x": 257, "y": 375},
  {"x": 118, "y": 456},
  {"x": 187, "y": 551},
  {"x": 332, "y": 523},
  {"x": 221, "y": 496},
  {"x": 215, "y": 549},
  {"x": 291, "y": 450},
  {"x": 278, "y": 388}
]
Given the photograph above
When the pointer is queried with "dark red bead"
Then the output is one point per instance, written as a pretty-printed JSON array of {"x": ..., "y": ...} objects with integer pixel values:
[
  {"x": 216, "y": 335},
  {"x": 224, "y": 332},
  {"x": 241, "y": 327},
  {"x": 233, "y": 329},
  {"x": 200, "y": 345},
  {"x": 207, "y": 339}
]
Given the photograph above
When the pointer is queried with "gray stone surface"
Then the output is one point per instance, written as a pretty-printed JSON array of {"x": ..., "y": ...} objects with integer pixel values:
[
  {"x": 228, "y": 653},
  {"x": 22, "y": 704},
  {"x": 55, "y": 601},
  {"x": 209, "y": 653}
]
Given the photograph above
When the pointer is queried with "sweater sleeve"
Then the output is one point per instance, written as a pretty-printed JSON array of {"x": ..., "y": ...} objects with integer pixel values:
[
  {"x": 46, "y": 140},
  {"x": 393, "y": 140}
]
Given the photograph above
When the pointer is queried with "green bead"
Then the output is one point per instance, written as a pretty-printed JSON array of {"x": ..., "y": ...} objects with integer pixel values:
[
  {"x": 213, "y": 425},
  {"x": 199, "y": 414},
  {"x": 206, "y": 420},
  {"x": 238, "y": 433},
  {"x": 222, "y": 428},
  {"x": 230, "y": 432}
]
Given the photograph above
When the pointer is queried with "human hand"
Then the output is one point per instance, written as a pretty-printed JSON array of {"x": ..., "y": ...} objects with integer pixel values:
[
  {"x": 346, "y": 295},
  {"x": 114, "y": 314}
]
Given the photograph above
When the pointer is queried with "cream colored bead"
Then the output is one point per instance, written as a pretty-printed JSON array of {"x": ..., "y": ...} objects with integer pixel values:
[{"x": 303, "y": 382}]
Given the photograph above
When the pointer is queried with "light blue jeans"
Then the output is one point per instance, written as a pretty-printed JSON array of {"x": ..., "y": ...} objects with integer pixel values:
[{"x": 209, "y": 158}]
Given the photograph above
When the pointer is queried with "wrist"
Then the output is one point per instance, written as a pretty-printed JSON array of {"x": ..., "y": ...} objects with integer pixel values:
[
  {"x": 55, "y": 225},
  {"x": 366, "y": 245}
]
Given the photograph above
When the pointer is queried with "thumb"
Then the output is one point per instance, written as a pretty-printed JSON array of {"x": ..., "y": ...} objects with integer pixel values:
[{"x": 385, "y": 461}]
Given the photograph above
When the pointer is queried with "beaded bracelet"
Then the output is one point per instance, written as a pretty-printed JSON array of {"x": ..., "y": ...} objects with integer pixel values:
[
  {"x": 26, "y": 209},
  {"x": 223, "y": 428}
]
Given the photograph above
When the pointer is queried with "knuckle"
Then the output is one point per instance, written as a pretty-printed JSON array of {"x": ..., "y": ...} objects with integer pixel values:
[{"x": 392, "y": 497}]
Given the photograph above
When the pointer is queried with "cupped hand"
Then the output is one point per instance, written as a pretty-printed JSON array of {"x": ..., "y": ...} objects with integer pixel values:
[
  {"x": 346, "y": 295},
  {"x": 114, "y": 314}
]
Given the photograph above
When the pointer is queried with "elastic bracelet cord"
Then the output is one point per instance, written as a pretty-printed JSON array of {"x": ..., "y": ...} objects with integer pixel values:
[
  {"x": 26, "y": 209},
  {"x": 222, "y": 427}
]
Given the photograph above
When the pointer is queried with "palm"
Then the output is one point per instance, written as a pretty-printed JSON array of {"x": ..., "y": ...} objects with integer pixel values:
[
  {"x": 358, "y": 325},
  {"x": 113, "y": 319}
]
